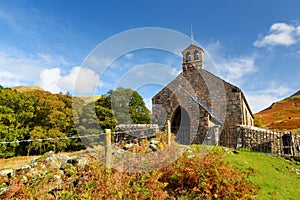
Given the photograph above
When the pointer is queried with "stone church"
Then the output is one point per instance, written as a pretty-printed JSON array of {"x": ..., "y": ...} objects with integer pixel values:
[{"x": 197, "y": 101}]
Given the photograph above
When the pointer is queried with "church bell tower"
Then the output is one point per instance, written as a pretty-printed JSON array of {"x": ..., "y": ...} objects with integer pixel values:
[{"x": 193, "y": 58}]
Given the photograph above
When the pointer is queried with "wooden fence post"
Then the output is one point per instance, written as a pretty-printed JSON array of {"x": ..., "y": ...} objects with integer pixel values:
[
  {"x": 280, "y": 143},
  {"x": 169, "y": 132},
  {"x": 108, "y": 150},
  {"x": 292, "y": 144}
]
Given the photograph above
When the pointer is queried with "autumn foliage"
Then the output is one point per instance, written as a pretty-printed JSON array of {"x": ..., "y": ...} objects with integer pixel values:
[
  {"x": 192, "y": 176},
  {"x": 282, "y": 115}
]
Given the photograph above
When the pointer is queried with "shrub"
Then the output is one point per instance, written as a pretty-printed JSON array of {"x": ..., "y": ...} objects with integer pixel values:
[
  {"x": 206, "y": 178},
  {"x": 190, "y": 177}
]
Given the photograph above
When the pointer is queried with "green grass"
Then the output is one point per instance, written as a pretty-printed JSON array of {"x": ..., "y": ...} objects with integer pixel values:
[
  {"x": 276, "y": 176},
  {"x": 296, "y": 131}
]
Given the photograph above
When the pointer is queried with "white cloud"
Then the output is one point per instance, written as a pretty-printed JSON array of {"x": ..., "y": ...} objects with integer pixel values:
[
  {"x": 276, "y": 90},
  {"x": 129, "y": 56},
  {"x": 49, "y": 79},
  {"x": 239, "y": 70},
  {"x": 9, "y": 78},
  {"x": 86, "y": 80},
  {"x": 298, "y": 30},
  {"x": 235, "y": 69},
  {"x": 24, "y": 68},
  {"x": 51, "y": 60},
  {"x": 280, "y": 34},
  {"x": 78, "y": 80},
  {"x": 260, "y": 102},
  {"x": 262, "y": 99},
  {"x": 296, "y": 54},
  {"x": 97, "y": 62},
  {"x": 18, "y": 68}
]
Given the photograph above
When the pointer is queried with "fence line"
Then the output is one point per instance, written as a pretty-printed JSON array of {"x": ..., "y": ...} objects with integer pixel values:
[
  {"x": 246, "y": 137},
  {"x": 74, "y": 137},
  {"x": 57, "y": 138},
  {"x": 108, "y": 139},
  {"x": 262, "y": 140}
]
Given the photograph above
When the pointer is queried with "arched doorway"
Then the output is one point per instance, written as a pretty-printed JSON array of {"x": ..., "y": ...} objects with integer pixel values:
[{"x": 181, "y": 125}]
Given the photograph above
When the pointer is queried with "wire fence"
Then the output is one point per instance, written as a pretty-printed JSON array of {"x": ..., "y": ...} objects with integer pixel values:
[
  {"x": 119, "y": 135},
  {"x": 49, "y": 139},
  {"x": 245, "y": 137}
]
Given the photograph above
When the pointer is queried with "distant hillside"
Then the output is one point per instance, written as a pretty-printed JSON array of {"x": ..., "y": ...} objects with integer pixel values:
[
  {"x": 282, "y": 115},
  {"x": 27, "y": 88},
  {"x": 89, "y": 99},
  {"x": 86, "y": 99},
  {"x": 297, "y": 93}
]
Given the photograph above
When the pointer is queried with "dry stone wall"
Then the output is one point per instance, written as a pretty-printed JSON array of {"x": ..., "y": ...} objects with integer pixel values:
[{"x": 262, "y": 140}]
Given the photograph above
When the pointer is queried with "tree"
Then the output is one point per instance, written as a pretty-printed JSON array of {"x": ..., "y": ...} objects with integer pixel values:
[
  {"x": 88, "y": 124},
  {"x": 139, "y": 113},
  {"x": 127, "y": 107},
  {"x": 16, "y": 116},
  {"x": 34, "y": 115},
  {"x": 41, "y": 144},
  {"x": 55, "y": 112}
]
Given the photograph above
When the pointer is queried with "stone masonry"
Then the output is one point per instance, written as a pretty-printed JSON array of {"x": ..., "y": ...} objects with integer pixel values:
[{"x": 197, "y": 100}]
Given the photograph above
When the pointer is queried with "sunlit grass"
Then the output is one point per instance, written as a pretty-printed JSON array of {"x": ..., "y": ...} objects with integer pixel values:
[
  {"x": 15, "y": 162},
  {"x": 275, "y": 175}
]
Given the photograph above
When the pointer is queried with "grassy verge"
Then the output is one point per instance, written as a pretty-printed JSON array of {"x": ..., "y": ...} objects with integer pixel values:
[
  {"x": 276, "y": 176},
  {"x": 15, "y": 162},
  {"x": 20, "y": 161}
]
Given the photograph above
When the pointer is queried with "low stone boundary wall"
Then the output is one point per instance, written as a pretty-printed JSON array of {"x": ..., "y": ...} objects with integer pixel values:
[
  {"x": 125, "y": 132},
  {"x": 258, "y": 139}
]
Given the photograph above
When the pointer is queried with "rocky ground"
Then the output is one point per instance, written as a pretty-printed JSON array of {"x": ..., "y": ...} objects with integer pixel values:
[{"x": 61, "y": 165}]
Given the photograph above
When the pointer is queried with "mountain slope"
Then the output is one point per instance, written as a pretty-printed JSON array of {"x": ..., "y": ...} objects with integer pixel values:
[
  {"x": 282, "y": 115},
  {"x": 86, "y": 99},
  {"x": 27, "y": 88},
  {"x": 297, "y": 93}
]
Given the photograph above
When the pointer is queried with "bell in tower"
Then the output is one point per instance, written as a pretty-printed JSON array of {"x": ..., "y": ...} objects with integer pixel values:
[{"x": 193, "y": 57}]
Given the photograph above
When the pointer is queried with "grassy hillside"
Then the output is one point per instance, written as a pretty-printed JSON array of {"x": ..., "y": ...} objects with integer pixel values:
[
  {"x": 27, "y": 88},
  {"x": 88, "y": 99},
  {"x": 277, "y": 177},
  {"x": 282, "y": 115}
]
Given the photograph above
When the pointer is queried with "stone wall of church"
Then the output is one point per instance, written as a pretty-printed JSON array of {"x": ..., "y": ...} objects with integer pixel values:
[
  {"x": 223, "y": 98},
  {"x": 234, "y": 115},
  {"x": 247, "y": 118},
  {"x": 171, "y": 98}
]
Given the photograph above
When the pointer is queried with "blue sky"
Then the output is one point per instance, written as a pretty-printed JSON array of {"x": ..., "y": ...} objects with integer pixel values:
[{"x": 254, "y": 44}]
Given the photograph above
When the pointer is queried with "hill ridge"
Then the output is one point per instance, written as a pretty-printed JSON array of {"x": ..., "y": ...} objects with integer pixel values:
[
  {"x": 296, "y": 94},
  {"x": 282, "y": 115},
  {"x": 24, "y": 88}
]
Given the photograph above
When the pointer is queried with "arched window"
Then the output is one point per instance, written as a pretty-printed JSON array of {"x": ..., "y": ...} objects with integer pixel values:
[
  {"x": 196, "y": 55},
  {"x": 188, "y": 56}
]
